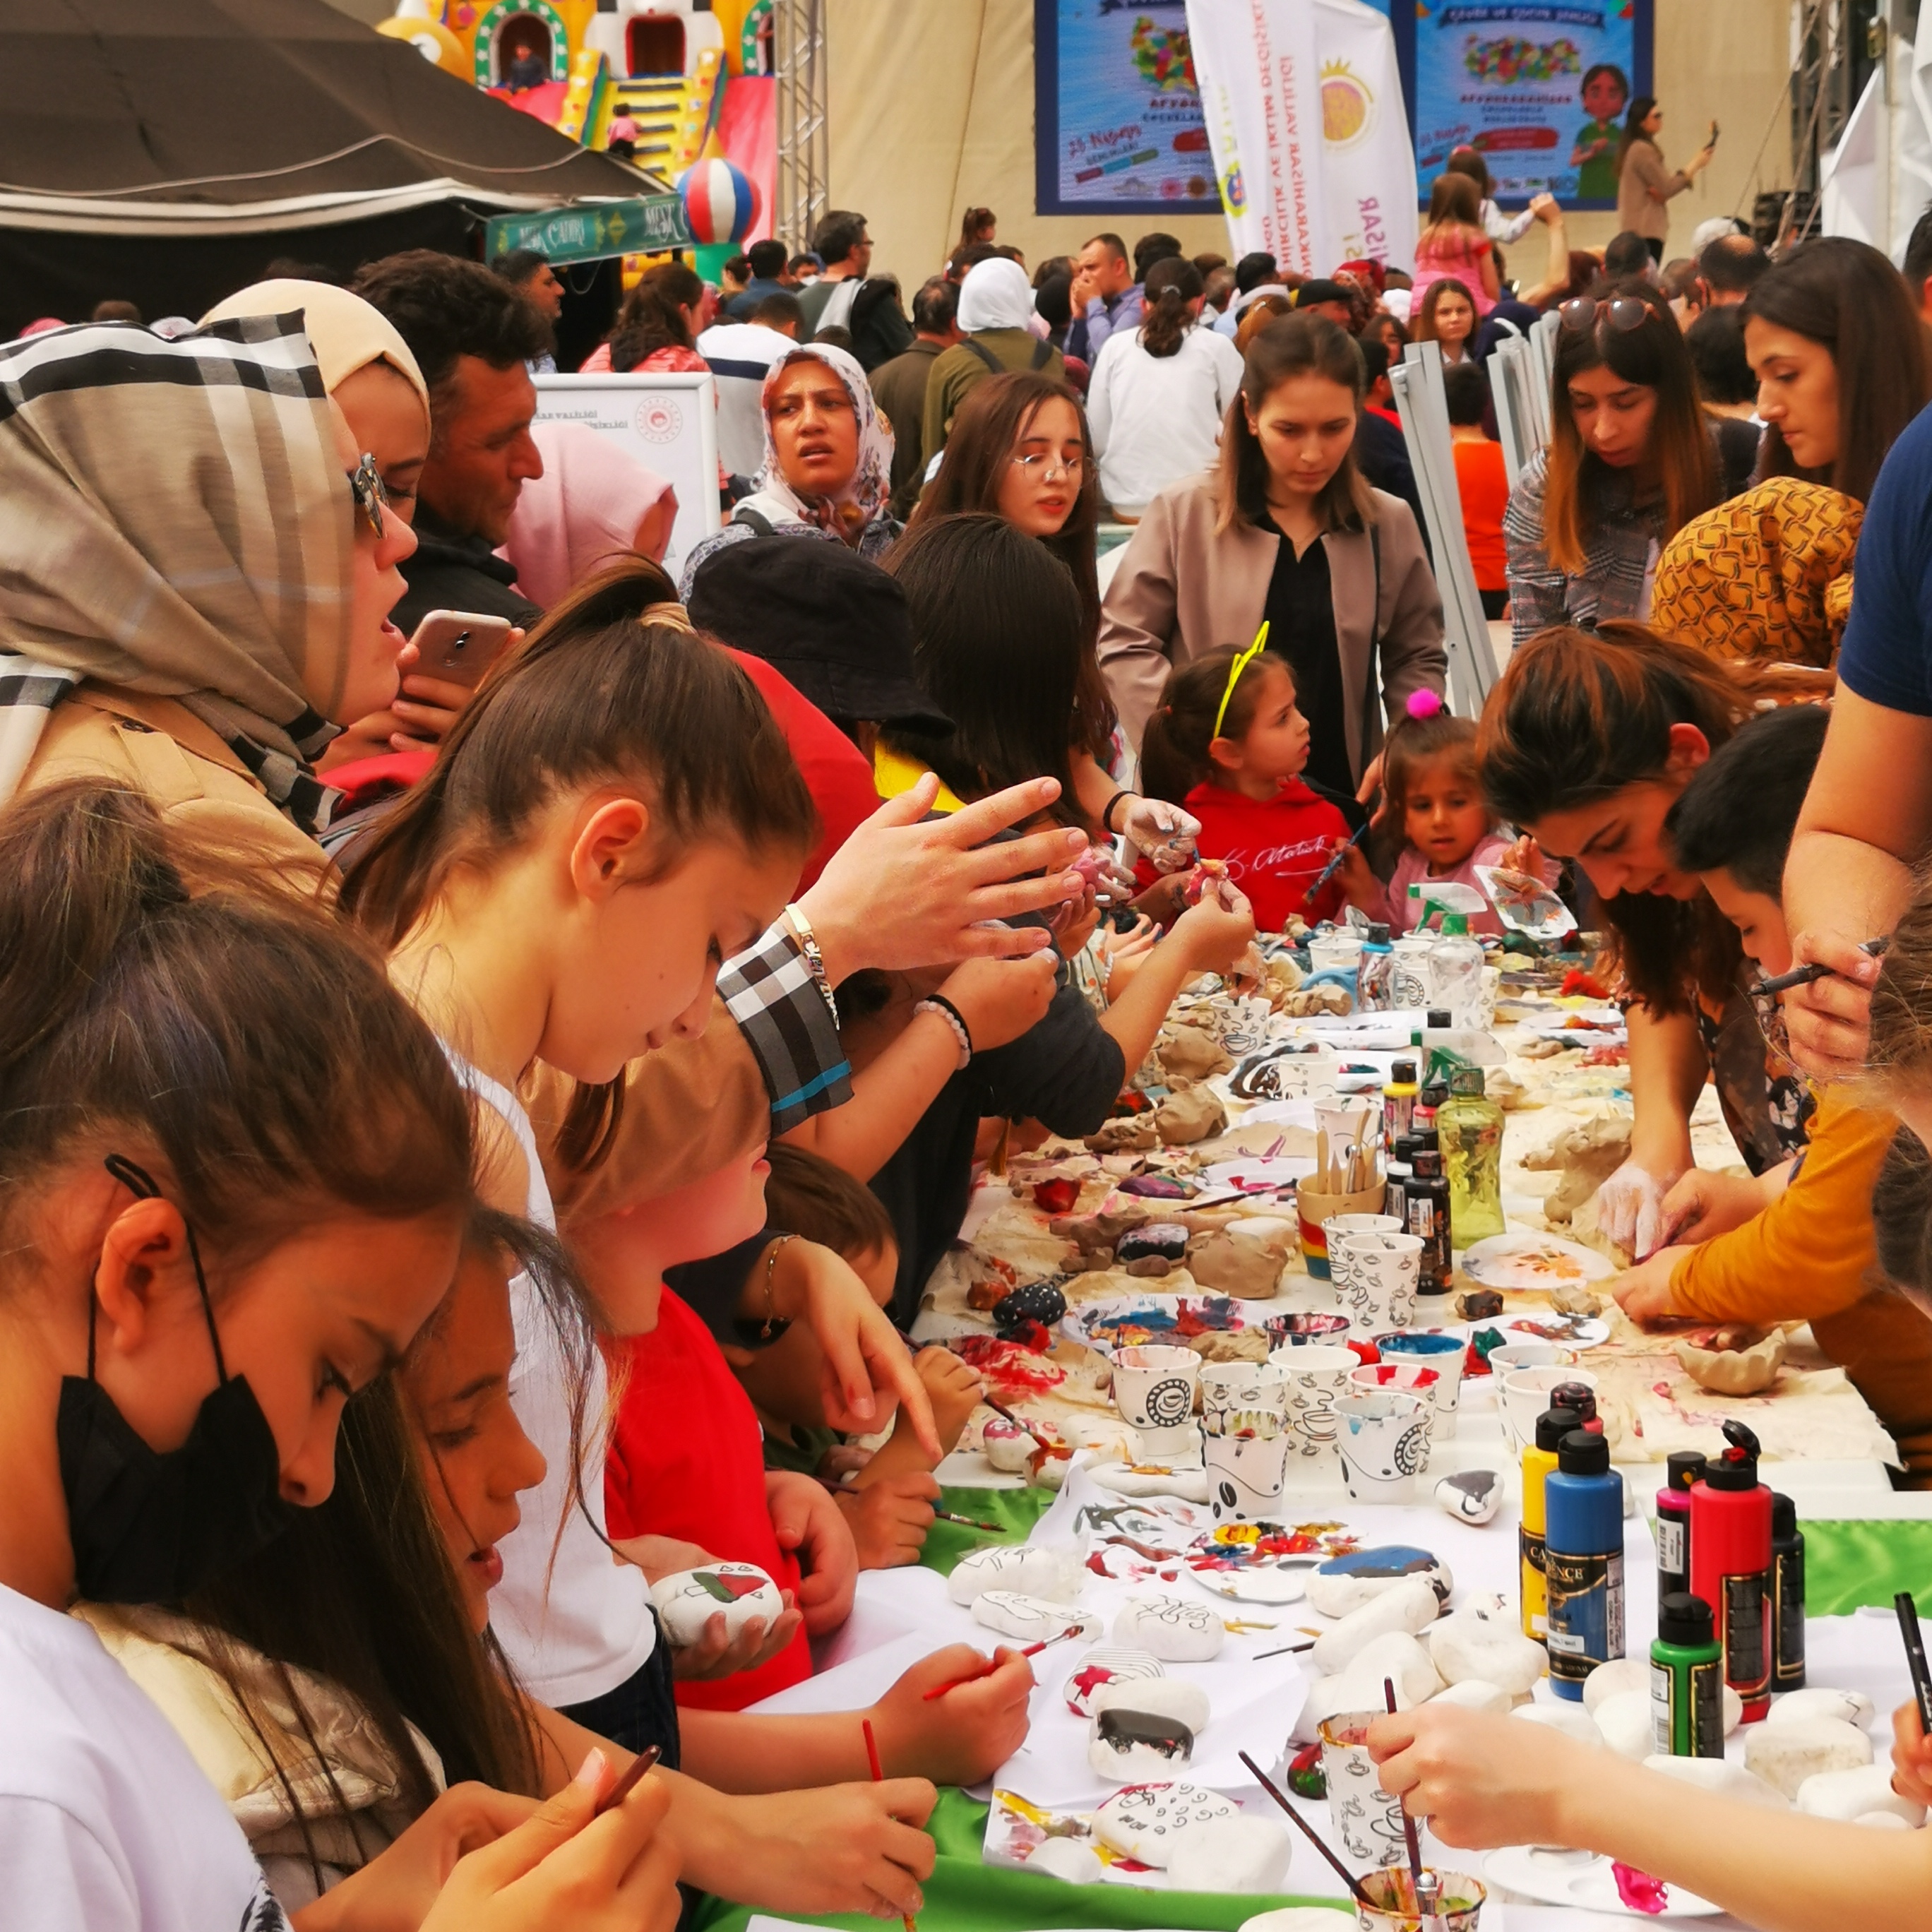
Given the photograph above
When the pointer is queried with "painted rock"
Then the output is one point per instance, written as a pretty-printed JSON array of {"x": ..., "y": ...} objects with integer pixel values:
[
  {"x": 1231, "y": 1855},
  {"x": 1850, "y": 1707},
  {"x": 1484, "y": 1640},
  {"x": 1856, "y": 1794},
  {"x": 1067, "y": 1859},
  {"x": 1057, "y": 1196},
  {"x": 1032, "y": 1571},
  {"x": 1147, "y": 1821},
  {"x": 1034, "y": 1301},
  {"x": 1175, "y": 1629},
  {"x": 1008, "y": 1447},
  {"x": 1470, "y": 1495},
  {"x": 1785, "y": 1755},
  {"x": 1567, "y": 1718},
  {"x": 1473, "y": 1694},
  {"x": 1394, "y": 1658},
  {"x": 1621, "y": 1674},
  {"x": 1344, "y": 1583},
  {"x": 1306, "y": 1777},
  {"x": 1720, "y": 1775},
  {"x": 1625, "y": 1722},
  {"x": 688, "y": 1600},
  {"x": 1325, "y": 1698},
  {"x": 1157, "y": 1241},
  {"x": 1412, "y": 1607},
  {"x": 1144, "y": 1729},
  {"x": 1101, "y": 1666},
  {"x": 1014, "y": 1614}
]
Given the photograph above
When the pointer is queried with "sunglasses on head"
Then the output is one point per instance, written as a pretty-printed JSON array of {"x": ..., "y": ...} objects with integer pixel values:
[
  {"x": 365, "y": 485},
  {"x": 1623, "y": 313}
]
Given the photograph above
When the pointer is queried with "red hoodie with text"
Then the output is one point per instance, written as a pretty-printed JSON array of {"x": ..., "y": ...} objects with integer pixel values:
[{"x": 1274, "y": 849}]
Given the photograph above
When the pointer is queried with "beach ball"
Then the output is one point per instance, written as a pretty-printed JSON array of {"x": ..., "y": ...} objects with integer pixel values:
[{"x": 720, "y": 203}]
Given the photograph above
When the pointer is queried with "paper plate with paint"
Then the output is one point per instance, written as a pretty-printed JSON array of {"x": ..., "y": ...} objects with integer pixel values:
[
  {"x": 1589, "y": 1883},
  {"x": 1524, "y": 904},
  {"x": 1134, "y": 1320},
  {"x": 1266, "y": 1176},
  {"x": 1265, "y": 1562},
  {"x": 1528, "y": 1261},
  {"x": 1547, "y": 1324}
]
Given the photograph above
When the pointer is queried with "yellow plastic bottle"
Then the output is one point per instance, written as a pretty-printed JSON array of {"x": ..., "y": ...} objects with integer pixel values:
[{"x": 1539, "y": 1460}]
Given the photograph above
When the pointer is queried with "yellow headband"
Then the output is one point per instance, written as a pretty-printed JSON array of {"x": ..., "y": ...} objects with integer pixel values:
[{"x": 1242, "y": 661}]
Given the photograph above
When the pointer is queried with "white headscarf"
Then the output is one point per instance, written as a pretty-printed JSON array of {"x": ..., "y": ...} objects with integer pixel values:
[
  {"x": 776, "y": 500},
  {"x": 995, "y": 294}
]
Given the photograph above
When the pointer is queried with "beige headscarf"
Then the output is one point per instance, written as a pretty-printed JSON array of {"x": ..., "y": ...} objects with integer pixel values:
[{"x": 346, "y": 332}]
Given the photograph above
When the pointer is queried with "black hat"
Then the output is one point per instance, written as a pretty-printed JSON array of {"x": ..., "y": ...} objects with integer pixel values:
[
  {"x": 836, "y": 625},
  {"x": 1319, "y": 290}
]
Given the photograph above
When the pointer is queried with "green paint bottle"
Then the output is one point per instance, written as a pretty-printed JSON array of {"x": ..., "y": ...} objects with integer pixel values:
[{"x": 1687, "y": 1680}]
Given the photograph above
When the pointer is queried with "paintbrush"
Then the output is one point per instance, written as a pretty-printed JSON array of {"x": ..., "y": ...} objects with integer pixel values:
[
  {"x": 1031, "y": 1650},
  {"x": 633, "y": 1773},
  {"x": 1309, "y": 1832},
  {"x": 1286, "y": 1650},
  {"x": 1334, "y": 864},
  {"x": 1018, "y": 1422},
  {"x": 906, "y": 1918},
  {"x": 1803, "y": 976},
  {"x": 1409, "y": 1839},
  {"x": 1915, "y": 1658}
]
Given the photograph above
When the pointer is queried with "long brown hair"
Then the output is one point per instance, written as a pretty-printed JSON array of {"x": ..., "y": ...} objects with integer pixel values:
[
  {"x": 1640, "y": 107},
  {"x": 1455, "y": 206},
  {"x": 1579, "y": 714},
  {"x": 1431, "y": 300},
  {"x": 1846, "y": 296},
  {"x": 1652, "y": 355},
  {"x": 1175, "y": 748},
  {"x": 1170, "y": 287},
  {"x": 653, "y": 317},
  {"x": 1296, "y": 345},
  {"x": 600, "y": 692}
]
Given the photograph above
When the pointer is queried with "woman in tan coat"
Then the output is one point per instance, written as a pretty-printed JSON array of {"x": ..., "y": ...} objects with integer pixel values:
[
  {"x": 1286, "y": 530},
  {"x": 1645, "y": 185}
]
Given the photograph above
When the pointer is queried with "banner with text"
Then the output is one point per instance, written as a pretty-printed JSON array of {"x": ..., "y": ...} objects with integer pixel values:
[{"x": 1304, "y": 105}]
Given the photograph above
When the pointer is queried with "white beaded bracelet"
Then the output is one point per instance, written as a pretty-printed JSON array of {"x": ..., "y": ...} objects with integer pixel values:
[{"x": 950, "y": 1014}]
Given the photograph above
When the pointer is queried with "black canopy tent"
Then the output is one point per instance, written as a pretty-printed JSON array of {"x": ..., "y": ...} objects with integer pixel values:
[{"x": 165, "y": 151}]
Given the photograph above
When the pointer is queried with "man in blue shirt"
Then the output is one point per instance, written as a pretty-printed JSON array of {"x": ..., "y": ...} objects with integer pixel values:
[
  {"x": 768, "y": 268},
  {"x": 1105, "y": 296}
]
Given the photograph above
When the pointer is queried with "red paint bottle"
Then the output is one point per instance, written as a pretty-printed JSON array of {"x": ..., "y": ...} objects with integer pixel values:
[{"x": 1731, "y": 1565}]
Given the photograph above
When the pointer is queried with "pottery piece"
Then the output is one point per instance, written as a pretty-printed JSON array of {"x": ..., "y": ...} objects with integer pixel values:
[
  {"x": 1231, "y": 1855},
  {"x": 1220, "y": 1344},
  {"x": 1344, "y": 1583},
  {"x": 1564, "y": 1717},
  {"x": 1033, "y": 1569},
  {"x": 1741, "y": 1371},
  {"x": 1230, "y": 1263},
  {"x": 1068, "y": 1860},
  {"x": 1104, "y": 1665},
  {"x": 1568, "y": 1298},
  {"x": 1411, "y": 1607},
  {"x": 1626, "y": 1724},
  {"x": 1190, "y": 1053},
  {"x": 1470, "y": 1495},
  {"x": 1484, "y": 1640},
  {"x": 1366, "y": 1819},
  {"x": 1384, "y": 1441},
  {"x": 1394, "y": 1658},
  {"x": 1850, "y": 1707},
  {"x": 1586, "y": 1155},
  {"x": 1855, "y": 1794},
  {"x": 1720, "y": 1775},
  {"x": 1197, "y": 1114},
  {"x": 1175, "y": 1629},
  {"x": 1013, "y": 1614},
  {"x": 1317, "y": 1378},
  {"x": 1614, "y": 1679},
  {"x": 1246, "y": 1473},
  {"x": 1147, "y": 1821},
  {"x": 1785, "y": 1755},
  {"x": 1473, "y": 1694},
  {"x": 1144, "y": 1729},
  {"x": 688, "y": 1600}
]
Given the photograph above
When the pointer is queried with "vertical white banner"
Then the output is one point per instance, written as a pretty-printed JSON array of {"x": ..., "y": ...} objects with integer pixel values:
[{"x": 1303, "y": 106}]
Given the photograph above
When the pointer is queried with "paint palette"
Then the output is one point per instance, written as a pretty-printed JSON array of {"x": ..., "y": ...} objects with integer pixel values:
[
  {"x": 1547, "y": 1324},
  {"x": 1581, "y": 1880},
  {"x": 1133, "y": 1321},
  {"x": 1268, "y": 1177},
  {"x": 1264, "y": 1563},
  {"x": 1524, "y": 904},
  {"x": 1528, "y": 1261}
]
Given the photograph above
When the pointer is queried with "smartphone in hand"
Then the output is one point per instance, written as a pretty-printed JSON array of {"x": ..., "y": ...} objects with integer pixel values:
[{"x": 459, "y": 645}]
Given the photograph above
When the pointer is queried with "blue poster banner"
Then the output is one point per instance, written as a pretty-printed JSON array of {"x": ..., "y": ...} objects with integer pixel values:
[
  {"x": 1118, "y": 123},
  {"x": 1540, "y": 89}
]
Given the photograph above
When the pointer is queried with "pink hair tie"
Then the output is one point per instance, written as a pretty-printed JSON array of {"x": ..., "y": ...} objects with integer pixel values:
[{"x": 1423, "y": 704}]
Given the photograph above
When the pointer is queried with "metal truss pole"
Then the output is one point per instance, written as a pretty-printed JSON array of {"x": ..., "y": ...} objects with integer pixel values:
[{"x": 798, "y": 48}]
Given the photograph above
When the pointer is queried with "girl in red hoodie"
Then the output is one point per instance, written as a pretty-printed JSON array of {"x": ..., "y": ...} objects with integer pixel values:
[{"x": 1229, "y": 744}]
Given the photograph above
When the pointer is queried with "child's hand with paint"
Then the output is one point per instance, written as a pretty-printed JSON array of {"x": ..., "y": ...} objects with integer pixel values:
[
  {"x": 964, "y": 1735},
  {"x": 1480, "y": 1780}
]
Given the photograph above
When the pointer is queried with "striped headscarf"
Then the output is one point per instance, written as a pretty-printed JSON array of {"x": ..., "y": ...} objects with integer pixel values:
[{"x": 178, "y": 522}]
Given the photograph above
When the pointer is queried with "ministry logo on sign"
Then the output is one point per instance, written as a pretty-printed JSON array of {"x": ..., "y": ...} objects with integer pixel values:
[{"x": 1348, "y": 105}]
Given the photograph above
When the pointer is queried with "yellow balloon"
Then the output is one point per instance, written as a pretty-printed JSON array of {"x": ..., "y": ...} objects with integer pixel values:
[{"x": 433, "y": 40}]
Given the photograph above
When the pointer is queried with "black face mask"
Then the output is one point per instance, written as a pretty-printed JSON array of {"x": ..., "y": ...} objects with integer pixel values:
[{"x": 152, "y": 1526}]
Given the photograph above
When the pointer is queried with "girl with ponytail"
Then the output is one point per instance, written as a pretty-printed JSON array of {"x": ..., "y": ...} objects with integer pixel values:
[{"x": 1159, "y": 393}]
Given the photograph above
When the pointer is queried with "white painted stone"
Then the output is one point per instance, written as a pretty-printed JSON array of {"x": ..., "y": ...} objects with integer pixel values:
[
  {"x": 1882, "y": 1821},
  {"x": 1470, "y": 1495},
  {"x": 1030, "y": 1618},
  {"x": 1484, "y": 1639},
  {"x": 1326, "y": 1697},
  {"x": 1625, "y": 1722},
  {"x": 1231, "y": 1855},
  {"x": 1856, "y": 1794},
  {"x": 1175, "y": 1629},
  {"x": 1032, "y": 1569},
  {"x": 1613, "y": 1679},
  {"x": 688, "y": 1600},
  {"x": 1848, "y": 1707},
  {"x": 1102, "y": 1665},
  {"x": 1411, "y": 1607},
  {"x": 1068, "y": 1859},
  {"x": 1720, "y": 1775},
  {"x": 1734, "y": 1710},
  {"x": 1572, "y": 1719},
  {"x": 1471, "y": 1693},
  {"x": 1144, "y": 1729},
  {"x": 1147, "y": 1822},
  {"x": 1398, "y": 1658},
  {"x": 1344, "y": 1584},
  {"x": 1785, "y": 1755}
]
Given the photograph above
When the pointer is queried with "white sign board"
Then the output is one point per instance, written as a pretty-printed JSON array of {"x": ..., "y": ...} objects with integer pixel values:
[{"x": 668, "y": 421}]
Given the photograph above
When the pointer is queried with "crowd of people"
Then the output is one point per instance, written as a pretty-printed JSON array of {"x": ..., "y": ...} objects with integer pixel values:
[{"x": 477, "y": 1128}]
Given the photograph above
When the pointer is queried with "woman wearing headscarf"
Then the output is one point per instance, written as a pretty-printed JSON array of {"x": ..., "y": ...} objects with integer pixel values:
[
  {"x": 196, "y": 581},
  {"x": 372, "y": 378},
  {"x": 828, "y": 462},
  {"x": 996, "y": 311},
  {"x": 591, "y": 504}
]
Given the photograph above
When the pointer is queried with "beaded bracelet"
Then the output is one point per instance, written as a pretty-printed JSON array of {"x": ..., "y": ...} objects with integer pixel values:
[{"x": 939, "y": 1004}]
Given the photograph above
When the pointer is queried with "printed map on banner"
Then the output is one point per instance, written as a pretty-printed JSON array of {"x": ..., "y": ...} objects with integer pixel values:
[
  {"x": 1541, "y": 89},
  {"x": 1119, "y": 115}
]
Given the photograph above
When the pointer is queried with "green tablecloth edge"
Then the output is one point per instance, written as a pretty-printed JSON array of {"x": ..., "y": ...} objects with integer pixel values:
[{"x": 1848, "y": 1566}]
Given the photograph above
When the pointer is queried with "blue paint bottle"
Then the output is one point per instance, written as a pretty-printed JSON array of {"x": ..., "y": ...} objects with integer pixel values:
[{"x": 1583, "y": 1561}]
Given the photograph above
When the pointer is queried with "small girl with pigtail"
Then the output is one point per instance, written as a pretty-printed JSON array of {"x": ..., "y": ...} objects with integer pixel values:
[{"x": 1433, "y": 795}]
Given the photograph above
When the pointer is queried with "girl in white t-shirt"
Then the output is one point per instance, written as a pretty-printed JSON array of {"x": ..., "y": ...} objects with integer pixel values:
[{"x": 234, "y": 1173}]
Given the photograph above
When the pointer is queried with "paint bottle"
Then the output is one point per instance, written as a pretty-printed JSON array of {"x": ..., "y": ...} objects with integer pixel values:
[
  {"x": 1374, "y": 970},
  {"x": 1787, "y": 1595},
  {"x": 1396, "y": 1202},
  {"x": 1730, "y": 1564},
  {"x": 1687, "y": 1680},
  {"x": 1471, "y": 1130},
  {"x": 1398, "y": 1102},
  {"x": 1428, "y": 1106},
  {"x": 1583, "y": 1560},
  {"x": 1539, "y": 1460},
  {"x": 1426, "y": 1195},
  {"x": 1685, "y": 1466}
]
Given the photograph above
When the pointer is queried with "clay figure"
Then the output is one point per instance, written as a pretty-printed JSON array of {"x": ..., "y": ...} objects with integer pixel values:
[
  {"x": 1587, "y": 1155},
  {"x": 1743, "y": 1362}
]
